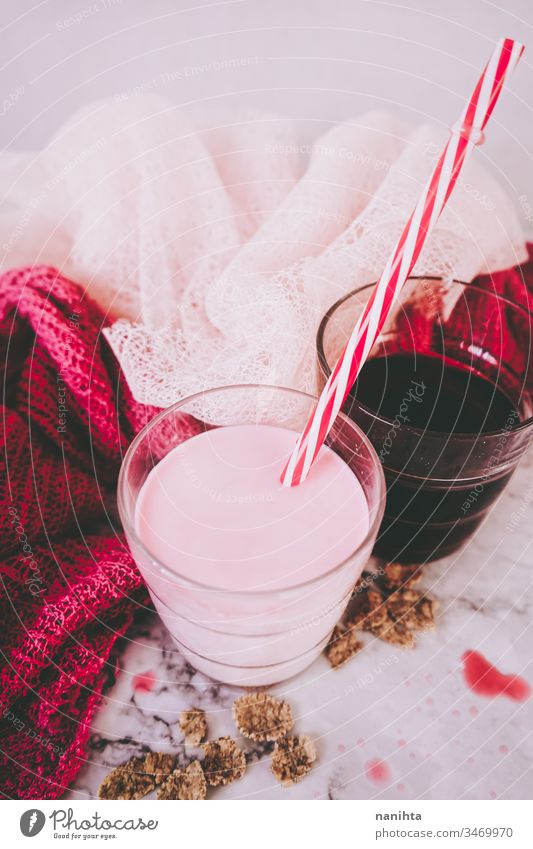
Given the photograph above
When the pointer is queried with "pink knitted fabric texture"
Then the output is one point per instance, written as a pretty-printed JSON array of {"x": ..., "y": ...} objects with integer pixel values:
[{"x": 69, "y": 590}]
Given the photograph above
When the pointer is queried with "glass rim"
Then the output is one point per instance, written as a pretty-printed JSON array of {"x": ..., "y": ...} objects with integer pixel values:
[
  {"x": 129, "y": 525},
  {"x": 418, "y": 431}
]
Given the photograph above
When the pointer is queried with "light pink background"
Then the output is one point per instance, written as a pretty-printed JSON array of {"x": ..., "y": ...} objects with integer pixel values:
[{"x": 316, "y": 60}]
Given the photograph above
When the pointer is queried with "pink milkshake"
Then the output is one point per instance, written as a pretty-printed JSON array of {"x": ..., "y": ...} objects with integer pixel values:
[{"x": 250, "y": 577}]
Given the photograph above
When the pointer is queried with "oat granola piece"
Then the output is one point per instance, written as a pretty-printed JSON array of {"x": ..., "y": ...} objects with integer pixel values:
[
  {"x": 187, "y": 784},
  {"x": 414, "y": 610},
  {"x": 160, "y": 765},
  {"x": 224, "y": 762},
  {"x": 367, "y": 611},
  {"x": 262, "y": 717},
  {"x": 399, "y": 576},
  {"x": 292, "y": 759},
  {"x": 194, "y": 725},
  {"x": 127, "y": 781},
  {"x": 397, "y": 617},
  {"x": 343, "y": 645}
]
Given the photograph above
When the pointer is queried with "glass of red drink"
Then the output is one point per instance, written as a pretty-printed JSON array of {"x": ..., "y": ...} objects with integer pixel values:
[{"x": 445, "y": 397}]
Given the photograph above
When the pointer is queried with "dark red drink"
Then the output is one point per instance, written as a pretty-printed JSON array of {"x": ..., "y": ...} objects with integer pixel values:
[
  {"x": 426, "y": 517},
  {"x": 446, "y": 400}
]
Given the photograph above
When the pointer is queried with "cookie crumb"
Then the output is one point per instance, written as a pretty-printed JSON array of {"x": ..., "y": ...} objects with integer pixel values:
[
  {"x": 262, "y": 717},
  {"x": 187, "y": 784},
  {"x": 127, "y": 781},
  {"x": 394, "y": 618},
  {"x": 292, "y": 759},
  {"x": 160, "y": 765},
  {"x": 343, "y": 645},
  {"x": 194, "y": 725},
  {"x": 368, "y": 611},
  {"x": 398, "y": 575},
  {"x": 224, "y": 762},
  {"x": 411, "y": 611}
]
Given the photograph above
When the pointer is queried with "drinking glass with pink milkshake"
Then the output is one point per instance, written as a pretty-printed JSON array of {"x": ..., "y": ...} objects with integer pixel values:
[{"x": 250, "y": 577}]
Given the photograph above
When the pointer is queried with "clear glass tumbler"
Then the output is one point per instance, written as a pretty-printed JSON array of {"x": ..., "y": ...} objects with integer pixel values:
[
  {"x": 260, "y": 637},
  {"x": 446, "y": 400}
]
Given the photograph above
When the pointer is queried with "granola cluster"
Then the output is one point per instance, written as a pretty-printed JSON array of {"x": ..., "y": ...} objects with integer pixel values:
[
  {"x": 127, "y": 781},
  {"x": 343, "y": 644},
  {"x": 258, "y": 716},
  {"x": 194, "y": 726},
  {"x": 223, "y": 762},
  {"x": 262, "y": 717},
  {"x": 389, "y": 608},
  {"x": 292, "y": 759},
  {"x": 160, "y": 765},
  {"x": 187, "y": 784}
]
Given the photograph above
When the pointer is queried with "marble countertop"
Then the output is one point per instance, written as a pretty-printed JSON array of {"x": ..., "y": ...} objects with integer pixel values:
[{"x": 410, "y": 711}]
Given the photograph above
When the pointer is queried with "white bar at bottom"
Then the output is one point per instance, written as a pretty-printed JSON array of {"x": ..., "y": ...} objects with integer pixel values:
[{"x": 255, "y": 824}]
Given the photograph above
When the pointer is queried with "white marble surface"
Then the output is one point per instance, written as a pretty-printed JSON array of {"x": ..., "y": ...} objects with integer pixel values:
[{"x": 410, "y": 709}]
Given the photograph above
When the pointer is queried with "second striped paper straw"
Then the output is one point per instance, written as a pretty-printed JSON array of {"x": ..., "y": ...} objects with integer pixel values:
[{"x": 465, "y": 135}]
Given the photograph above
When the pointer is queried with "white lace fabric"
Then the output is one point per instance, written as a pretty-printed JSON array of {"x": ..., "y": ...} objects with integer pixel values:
[{"x": 217, "y": 243}]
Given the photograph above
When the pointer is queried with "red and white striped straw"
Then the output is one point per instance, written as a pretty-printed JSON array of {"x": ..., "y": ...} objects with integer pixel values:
[{"x": 464, "y": 136}]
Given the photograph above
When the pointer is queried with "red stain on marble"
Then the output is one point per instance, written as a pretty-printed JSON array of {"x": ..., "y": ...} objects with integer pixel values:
[
  {"x": 473, "y": 711},
  {"x": 470, "y": 760},
  {"x": 456, "y": 712},
  {"x": 407, "y": 683},
  {"x": 503, "y": 749},
  {"x": 360, "y": 742},
  {"x": 400, "y": 787},
  {"x": 402, "y": 743},
  {"x": 429, "y": 677},
  {"x": 378, "y": 771},
  {"x": 429, "y": 755},
  {"x": 493, "y": 794},
  {"x": 412, "y": 756},
  {"x": 484, "y": 679},
  {"x": 144, "y": 682},
  {"x": 430, "y": 701},
  {"x": 341, "y": 748}
]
